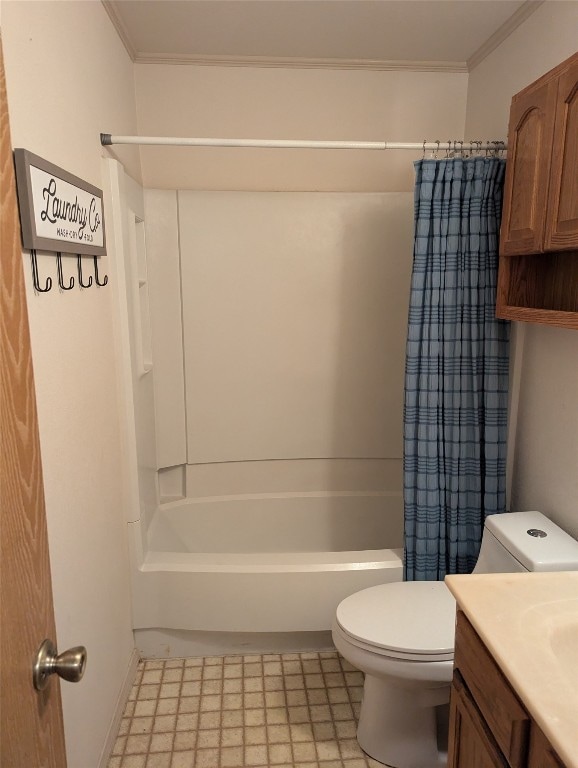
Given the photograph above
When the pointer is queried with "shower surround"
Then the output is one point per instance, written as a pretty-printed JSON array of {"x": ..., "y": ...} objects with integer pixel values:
[{"x": 271, "y": 329}]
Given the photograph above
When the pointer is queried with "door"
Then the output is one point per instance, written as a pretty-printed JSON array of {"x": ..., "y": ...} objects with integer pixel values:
[
  {"x": 528, "y": 170},
  {"x": 471, "y": 745},
  {"x": 31, "y": 727},
  {"x": 562, "y": 226}
]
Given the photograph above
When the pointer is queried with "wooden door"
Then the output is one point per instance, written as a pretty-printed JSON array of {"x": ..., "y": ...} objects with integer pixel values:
[
  {"x": 528, "y": 169},
  {"x": 562, "y": 223},
  {"x": 471, "y": 744},
  {"x": 31, "y": 727}
]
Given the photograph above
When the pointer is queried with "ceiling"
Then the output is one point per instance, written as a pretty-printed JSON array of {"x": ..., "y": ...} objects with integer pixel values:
[{"x": 426, "y": 34}]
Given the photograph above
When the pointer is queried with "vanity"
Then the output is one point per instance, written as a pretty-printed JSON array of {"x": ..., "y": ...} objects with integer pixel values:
[{"x": 514, "y": 698}]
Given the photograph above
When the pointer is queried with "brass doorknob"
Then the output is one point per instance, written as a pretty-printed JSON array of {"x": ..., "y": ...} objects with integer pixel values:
[{"x": 69, "y": 665}]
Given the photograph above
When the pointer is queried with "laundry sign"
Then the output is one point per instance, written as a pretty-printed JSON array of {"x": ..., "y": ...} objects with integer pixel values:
[{"x": 58, "y": 211}]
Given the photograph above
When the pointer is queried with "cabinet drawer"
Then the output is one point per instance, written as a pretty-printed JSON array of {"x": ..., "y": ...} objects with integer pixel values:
[{"x": 497, "y": 702}]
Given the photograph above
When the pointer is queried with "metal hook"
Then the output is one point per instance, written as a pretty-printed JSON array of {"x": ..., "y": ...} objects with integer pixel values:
[
  {"x": 63, "y": 287},
  {"x": 437, "y": 149},
  {"x": 448, "y": 155},
  {"x": 105, "y": 281},
  {"x": 423, "y": 153},
  {"x": 82, "y": 285},
  {"x": 35, "y": 282}
]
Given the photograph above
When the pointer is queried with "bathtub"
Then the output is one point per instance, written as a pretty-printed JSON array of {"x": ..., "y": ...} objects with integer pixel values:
[{"x": 267, "y": 563}]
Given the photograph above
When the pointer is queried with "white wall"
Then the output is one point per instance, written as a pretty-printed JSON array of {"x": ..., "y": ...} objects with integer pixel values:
[
  {"x": 69, "y": 78},
  {"x": 545, "y": 475},
  {"x": 293, "y": 104},
  {"x": 292, "y": 305},
  {"x": 164, "y": 273}
]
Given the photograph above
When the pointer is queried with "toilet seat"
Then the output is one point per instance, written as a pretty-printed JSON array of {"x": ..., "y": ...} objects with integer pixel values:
[{"x": 411, "y": 621}]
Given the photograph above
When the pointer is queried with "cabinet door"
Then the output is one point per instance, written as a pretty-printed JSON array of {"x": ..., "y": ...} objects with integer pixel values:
[
  {"x": 562, "y": 224},
  {"x": 528, "y": 170},
  {"x": 471, "y": 745},
  {"x": 541, "y": 753}
]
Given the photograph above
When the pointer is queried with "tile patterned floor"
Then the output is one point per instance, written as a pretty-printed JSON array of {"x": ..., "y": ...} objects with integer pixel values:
[{"x": 278, "y": 710}]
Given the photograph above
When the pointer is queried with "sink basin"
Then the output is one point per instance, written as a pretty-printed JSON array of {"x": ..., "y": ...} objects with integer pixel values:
[
  {"x": 564, "y": 645},
  {"x": 553, "y": 627}
]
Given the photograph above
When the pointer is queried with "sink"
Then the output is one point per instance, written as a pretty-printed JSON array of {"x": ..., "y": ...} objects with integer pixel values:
[
  {"x": 529, "y": 623},
  {"x": 553, "y": 625},
  {"x": 564, "y": 644}
]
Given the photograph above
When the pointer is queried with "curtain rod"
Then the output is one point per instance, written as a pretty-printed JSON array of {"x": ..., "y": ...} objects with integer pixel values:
[{"x": 106, "y": 139}]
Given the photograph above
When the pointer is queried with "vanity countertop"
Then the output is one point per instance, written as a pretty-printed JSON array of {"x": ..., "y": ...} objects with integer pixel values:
[{"x": 529, "y": 622}]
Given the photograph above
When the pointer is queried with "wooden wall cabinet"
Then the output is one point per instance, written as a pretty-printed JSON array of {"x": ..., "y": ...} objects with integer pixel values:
[
  {"x": 538, "y": 273},
  {"x": 489, "y": 726}
]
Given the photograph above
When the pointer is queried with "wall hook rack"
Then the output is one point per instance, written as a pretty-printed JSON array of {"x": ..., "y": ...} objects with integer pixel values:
[{"x": 62, "y": 284}]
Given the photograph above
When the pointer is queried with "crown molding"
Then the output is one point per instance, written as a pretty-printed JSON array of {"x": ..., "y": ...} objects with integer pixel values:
[
  {"x": 300, "y": 63},
  {"x": 524, "y": 12},
  {"x": 114, "y": 15}
]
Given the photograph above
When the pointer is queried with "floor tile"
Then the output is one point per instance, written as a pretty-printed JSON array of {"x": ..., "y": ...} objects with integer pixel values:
[{"x": 252, "y": 711}]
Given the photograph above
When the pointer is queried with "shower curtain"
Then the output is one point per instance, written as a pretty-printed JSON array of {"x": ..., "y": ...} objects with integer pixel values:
[{"x": 456, "y": 377}]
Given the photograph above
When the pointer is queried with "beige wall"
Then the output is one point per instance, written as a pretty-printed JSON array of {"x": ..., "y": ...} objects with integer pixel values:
[
  {"x": 61, "y": 61},
  {"x": 545, "y": 466},
  {"x": 293, "y": 104}
]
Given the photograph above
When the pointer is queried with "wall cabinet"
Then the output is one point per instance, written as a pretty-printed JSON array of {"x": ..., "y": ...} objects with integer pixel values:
[
  {"x": 489, "y": 726},
  {"x": 538, "y": 275}
]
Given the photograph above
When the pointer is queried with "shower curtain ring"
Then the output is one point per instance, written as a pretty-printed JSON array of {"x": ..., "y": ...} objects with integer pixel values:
[{"x": 423, "y": 153}]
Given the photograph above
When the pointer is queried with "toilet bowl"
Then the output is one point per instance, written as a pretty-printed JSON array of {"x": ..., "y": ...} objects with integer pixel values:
[
  {"x": 402, "y": 637},
  {"x": 407, "y": 658}
]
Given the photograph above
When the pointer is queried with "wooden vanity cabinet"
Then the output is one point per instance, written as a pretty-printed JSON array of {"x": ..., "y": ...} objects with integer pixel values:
[
  {"x": 489, "y": 726},
  {"x": 538, "y": 272}
]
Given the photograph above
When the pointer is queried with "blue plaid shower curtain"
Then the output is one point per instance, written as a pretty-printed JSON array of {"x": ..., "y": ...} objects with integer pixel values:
[{"x": 456, "y": 376}]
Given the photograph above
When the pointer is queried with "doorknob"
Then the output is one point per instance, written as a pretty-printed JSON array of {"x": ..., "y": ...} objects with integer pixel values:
[{"x": 69, "y": 665}]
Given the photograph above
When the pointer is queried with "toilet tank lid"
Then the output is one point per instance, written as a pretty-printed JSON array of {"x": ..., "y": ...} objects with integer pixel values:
[
  {"x": 535, "y": 541},
  {"x": 412, "y": 617}
]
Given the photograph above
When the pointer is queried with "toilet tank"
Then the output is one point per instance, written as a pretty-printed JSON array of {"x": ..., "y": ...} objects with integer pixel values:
[{"x": 525, "y": 541}]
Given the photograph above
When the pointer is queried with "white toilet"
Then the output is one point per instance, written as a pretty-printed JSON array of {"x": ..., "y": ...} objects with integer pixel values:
[{"x": 402, "y": 637}]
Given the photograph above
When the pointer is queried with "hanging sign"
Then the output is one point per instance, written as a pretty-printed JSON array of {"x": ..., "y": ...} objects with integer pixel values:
[{"x": 58, "y": 211}]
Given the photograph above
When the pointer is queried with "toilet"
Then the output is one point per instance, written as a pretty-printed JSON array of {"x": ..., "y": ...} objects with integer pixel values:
[{"x": 401, "y": 636}]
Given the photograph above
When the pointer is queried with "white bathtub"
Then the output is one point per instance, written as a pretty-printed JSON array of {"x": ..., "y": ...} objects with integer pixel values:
[{"x": 270, "y": 563}]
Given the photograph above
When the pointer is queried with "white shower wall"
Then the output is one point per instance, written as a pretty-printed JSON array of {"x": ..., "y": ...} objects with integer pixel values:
[{"x": 281, "y": 368}]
